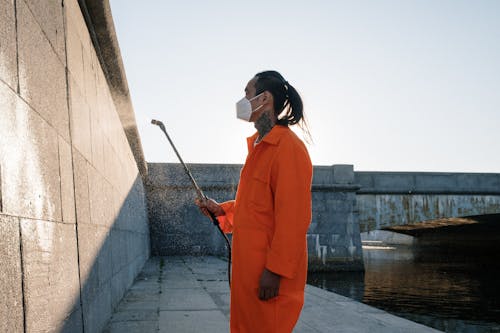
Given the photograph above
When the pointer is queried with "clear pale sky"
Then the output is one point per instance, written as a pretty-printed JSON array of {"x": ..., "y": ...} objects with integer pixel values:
[{"x": 387, "y": 85}]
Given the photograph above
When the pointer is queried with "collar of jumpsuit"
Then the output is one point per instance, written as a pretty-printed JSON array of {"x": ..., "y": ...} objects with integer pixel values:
[{"x": 273, "y": 137}]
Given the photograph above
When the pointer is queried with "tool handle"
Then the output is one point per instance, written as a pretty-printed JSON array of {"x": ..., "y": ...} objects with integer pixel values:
[{"x": 214, "y": 219}]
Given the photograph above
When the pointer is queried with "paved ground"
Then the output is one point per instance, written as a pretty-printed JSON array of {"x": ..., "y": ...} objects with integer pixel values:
[{"x": 190, "y": 294}]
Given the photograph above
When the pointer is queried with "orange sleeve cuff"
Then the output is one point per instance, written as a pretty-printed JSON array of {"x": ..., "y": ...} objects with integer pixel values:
[
  {"x": 226, "y": 221},
  {"x": 277, "y": 265}
]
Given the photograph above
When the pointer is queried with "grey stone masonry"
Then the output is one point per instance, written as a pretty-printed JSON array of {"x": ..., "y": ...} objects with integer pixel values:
[
  {"x": 178, "y": 228},
  {"x": 73, "y": 219},
  {"x": 387, "y": 199}
]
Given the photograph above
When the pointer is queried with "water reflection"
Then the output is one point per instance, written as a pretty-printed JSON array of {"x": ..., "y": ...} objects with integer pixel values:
[{"x": 438, "y": 287}]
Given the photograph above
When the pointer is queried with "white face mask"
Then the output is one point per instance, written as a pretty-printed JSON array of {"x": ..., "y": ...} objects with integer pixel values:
[{"x": 244, "y": 108}]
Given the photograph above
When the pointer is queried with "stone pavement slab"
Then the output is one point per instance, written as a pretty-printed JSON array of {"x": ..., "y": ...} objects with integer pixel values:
[{"x": 191, "y": 294}]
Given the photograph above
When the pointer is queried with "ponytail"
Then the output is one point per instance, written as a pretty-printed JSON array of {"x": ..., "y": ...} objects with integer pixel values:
[{"x": 288, "y": 106}]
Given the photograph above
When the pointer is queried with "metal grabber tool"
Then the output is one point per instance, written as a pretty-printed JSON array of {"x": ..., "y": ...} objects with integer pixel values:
[{"x": 200, "y": 195}]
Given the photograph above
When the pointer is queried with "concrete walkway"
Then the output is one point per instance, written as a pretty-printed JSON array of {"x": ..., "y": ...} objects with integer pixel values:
[{"x": 190, "y": 294}]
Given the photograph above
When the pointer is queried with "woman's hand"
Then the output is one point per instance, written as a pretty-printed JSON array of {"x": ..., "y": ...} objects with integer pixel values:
[
  {"x": 269, "y": 285},
  {"x": 209, "y": 205}
]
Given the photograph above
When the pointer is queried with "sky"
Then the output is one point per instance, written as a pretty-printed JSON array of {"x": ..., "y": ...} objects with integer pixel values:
[{"x": 387, "y": 85}]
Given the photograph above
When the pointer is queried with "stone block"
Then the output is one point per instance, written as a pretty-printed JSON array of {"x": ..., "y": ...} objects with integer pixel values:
[
  {"x": 322, "y": 175},
  {"x": 42, "y": 76},
  {"x": 74, "y": 50},
  {"x": 8, "y": 60},
  {"x": 193, "y": 321},
  {"x": 182, "y": 299},
  {"x": 97, "y": 197},
  {"x": 104, "y": 264},
  {"x": 343, "y": 174},
  {"x": 88, "y": 251},
  {"x": 49, "y": 15},
  {"x": 97, "y": 314},
  {"x": 11, "y": 302},
  {"x": 111, "y": 164},
  {"x": 117, "y": 250},
  {"x": 50, "y": 266},
  {"x": 323, "y": 225},
  {"x": 82, "y": 200},
  {"x": 394, "y": 181},
  {"x": 67, "y": 187},
  {"x": 97, "y": 142},
  {"x": 109, "y": 210},
  {"x": 118, "y": 287},
  {"x": 365, "y": 179},
  {"x": 90, "y": 68},
  {"x": 74, "y": 16},
  {"x": 435, "y": 182},
  {"x": 30, "y": 161},
  {"x": 80, "y": 121},
  {"x": 73, "y": 324}
]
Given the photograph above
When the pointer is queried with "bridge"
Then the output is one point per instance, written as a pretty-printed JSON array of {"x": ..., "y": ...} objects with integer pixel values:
[{"x": 420, "y": 200}]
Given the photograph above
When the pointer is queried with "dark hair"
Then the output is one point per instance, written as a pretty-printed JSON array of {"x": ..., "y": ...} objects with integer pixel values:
[{"x": 288, "y": 106}]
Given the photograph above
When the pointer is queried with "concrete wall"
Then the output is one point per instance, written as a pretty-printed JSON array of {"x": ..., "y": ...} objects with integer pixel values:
[
  {"x": 396, "y": 198},
  {"x": 73, "y": 220},
  {"x": 177, "y": 227}
]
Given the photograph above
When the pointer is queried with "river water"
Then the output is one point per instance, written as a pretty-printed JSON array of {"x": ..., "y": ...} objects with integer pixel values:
[{"x": 440, "y": 288}]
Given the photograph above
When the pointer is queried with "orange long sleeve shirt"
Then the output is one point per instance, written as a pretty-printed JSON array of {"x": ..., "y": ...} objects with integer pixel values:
[{"x": 269, "y": 220}]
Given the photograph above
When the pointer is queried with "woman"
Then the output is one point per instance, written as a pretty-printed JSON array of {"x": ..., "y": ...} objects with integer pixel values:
[{"x": 271, "y": 213}]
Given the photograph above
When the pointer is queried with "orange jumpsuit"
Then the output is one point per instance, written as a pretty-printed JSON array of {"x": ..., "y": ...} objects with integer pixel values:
[{"x": 269, "y": 219}]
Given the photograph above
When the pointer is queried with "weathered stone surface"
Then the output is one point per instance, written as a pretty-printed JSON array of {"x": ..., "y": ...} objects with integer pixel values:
[
  {"x": 101, "y": 203},
  {"x": 428, "y": 183},
  {"x": 88, "y": 248},
  {"x": 104, "y": 264},
  {"x": 119, "y": 285},
  {"x": 181, "y": 299},
  {"x": 75, "y": 26},
  {"x": 11, "y": 302},
  {"x": 90, "y": 68},
  {"x": 30, "y": 161},
  {"x": 97, "y": 198},
  {"x": 193, "y": 321},
  {"x": 118, "y": 250},
  {"x": 49, "y": 15},
  {"x": 42, "y": 76},
  {"x": 388, "y": 209},
  {"x": 132, "y": 326},
  {"x": 343, "y": 174},
  {"x": 82, "y": 194},
  {"x": 80, "y": 121},
  {"x": 97, "y": 141},
  {"x": 67, "y": 187},
  {"x": 50, "y": 265},
  {"x": 98, "y": 312},
  {"x": 58, "y": 167},
  {"x": 8, "y": 54},
  {"x": 73, "y": 324}
]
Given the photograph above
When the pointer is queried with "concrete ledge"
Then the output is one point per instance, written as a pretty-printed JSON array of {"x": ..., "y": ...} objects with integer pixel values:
[{"x": 427, "y": 183}]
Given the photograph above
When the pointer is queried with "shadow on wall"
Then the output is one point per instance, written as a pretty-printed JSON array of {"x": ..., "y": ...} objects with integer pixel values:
[{"x": 109, "y": 263}]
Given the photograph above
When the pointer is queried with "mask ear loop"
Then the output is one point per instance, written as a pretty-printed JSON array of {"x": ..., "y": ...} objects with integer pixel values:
[
  {"x": 251, "y": 99},
  {"x": 260, "y": 106}
]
